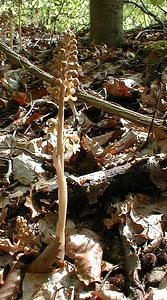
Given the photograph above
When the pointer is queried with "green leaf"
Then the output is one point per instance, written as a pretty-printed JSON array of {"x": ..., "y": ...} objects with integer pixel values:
[{"x": 156, "y": 2}]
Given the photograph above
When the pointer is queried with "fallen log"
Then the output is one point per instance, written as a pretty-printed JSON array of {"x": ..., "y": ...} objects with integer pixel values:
[{"x": 134, "y": 177}]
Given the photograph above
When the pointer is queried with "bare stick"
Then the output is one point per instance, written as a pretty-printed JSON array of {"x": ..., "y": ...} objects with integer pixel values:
[
  {"x": 120, "y": 111},
  {"x": 25, "y": 63}
]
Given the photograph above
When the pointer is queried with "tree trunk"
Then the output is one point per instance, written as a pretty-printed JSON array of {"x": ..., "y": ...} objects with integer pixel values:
[{"x": 106, "y": 22}]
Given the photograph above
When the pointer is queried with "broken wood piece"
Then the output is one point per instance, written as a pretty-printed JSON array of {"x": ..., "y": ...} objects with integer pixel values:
[
  {"x": 135, "y": 177},
  {"x": 99, "y": 176},
  {"x": 94, "y": 184},
  {"x": 147, "y": 175}
]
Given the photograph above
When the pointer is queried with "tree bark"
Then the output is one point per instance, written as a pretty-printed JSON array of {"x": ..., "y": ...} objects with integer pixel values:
[{"x": 106, "y": 22}]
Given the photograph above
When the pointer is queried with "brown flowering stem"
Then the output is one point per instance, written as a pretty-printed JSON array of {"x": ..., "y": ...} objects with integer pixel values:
[
  {"x": 58, "y": 162},
  {"x": 60, "y": 229},
  {"x": 60, "y": 139}
]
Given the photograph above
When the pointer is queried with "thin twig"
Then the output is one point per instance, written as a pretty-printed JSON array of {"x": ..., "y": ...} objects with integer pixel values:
[
  {"x": 6, "y": 178},
  {"x": 60, "y": 10},
  {"x": 164, "y": 11},
  {"x": 145, "y": 10},
  {"x": 152, "y": 121},
  {"x": 38, "y": 156},
  {"x": 122, "y": 112},
  {"x": 107, "y": 275}
]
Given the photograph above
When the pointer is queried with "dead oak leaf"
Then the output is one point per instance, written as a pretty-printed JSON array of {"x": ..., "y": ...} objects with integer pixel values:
[
  {"x": 117, "y": 88},
  {"x": 11, "y": 287},
  {"x": 29, "y": 204},
  {"x": 78, "y": 240},
  {"x": 88, "y": 263}
]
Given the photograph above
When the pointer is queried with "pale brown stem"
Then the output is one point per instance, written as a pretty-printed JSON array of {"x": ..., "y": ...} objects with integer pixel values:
[
  {"x": 73, "y": 108},
  {"x": 60, "y": 229},
  {"x": 60, "y": 145},
  {"x": 58, "y": 161}
]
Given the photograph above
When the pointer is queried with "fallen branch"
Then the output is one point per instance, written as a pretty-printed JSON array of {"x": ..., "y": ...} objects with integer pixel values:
[
  {"x": 25, "y": 63},
  {"x": 85, "y": 97},
  {"x": 120, "y": 111}
]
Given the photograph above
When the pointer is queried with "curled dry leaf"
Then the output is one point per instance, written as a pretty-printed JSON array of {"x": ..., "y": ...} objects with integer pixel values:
[
  {"x": 142, "y": 223},
  {"x": 158, "y": 174},
  {"x": 156, "y": 276},
  {"x": 56, "y": 285},
  {"x": 92, "y": 146},
  {"x": 108, "y": 295},
  {"x": 77, "y": 240},
  {"x": 47, "y": 258},
  {"x": 26, "y": 169},
  {"x": 85, "y": 247},
  {"x": 149, "y": 98},
  {"x": 47, "y": 227},
  {"x": 7, "y": 246},
  {"x": 88, "y": 263},
  {"x": 156, "y": 294},
  {"x": 11, "y": 287},
  {"x": 117, "y": 88},
  {"x": 29, "y": 204},
  {"x": 82, "y": 119},
  {"x": 127, "y": 141}
]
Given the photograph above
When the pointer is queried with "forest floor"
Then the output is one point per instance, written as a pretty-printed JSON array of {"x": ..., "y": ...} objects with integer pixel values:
[{"x": 115, "y": 165}]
